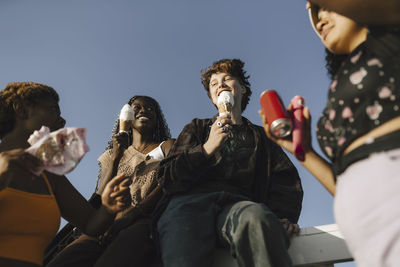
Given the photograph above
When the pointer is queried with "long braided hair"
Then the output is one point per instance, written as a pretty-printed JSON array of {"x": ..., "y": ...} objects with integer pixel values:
[{"x": 161, "y": 131}]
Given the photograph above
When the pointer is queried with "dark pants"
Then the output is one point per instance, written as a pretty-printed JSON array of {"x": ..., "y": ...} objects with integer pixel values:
[
  {"x": 193, "y": 225},
  {"x": 131, "y": 247}
]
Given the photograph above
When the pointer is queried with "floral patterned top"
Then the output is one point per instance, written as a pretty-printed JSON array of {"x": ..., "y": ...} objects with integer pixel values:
[{"x": 364, "y": 94}]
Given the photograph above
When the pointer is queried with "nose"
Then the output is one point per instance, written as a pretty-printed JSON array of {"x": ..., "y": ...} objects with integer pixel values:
[
  {"x": 221, "y": 84},
  {"x": 62, "y": 122},
  {"x": 322, "y": 18},
  {"x": 322, "y": 15}
]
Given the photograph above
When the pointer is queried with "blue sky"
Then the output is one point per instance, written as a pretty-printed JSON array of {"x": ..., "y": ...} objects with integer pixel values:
[{"x": 99, "y": 53}]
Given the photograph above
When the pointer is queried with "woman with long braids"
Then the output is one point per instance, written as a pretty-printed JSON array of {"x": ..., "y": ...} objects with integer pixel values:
[{"x": 137, "y": 153}]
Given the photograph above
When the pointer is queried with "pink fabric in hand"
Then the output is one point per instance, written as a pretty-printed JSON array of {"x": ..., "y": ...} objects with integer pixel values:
[{"x": 60, "y": 150}]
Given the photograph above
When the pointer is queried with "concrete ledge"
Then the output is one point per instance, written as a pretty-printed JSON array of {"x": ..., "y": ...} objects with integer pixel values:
[{"x": 320, "y": 246}]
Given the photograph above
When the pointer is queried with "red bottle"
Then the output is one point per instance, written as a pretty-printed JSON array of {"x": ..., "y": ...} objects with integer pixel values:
[{"x": 279, "y": 121}]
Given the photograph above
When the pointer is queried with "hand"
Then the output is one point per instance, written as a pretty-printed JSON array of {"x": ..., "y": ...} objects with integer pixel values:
[
  {"x": 220, "y": 130},
  {"x": 291, "y": 228},
  {"x": 17, "y": 163},
  {"x": 287, "y": 143},
  {"x": 120, "y": 143},
  {"x": 116, "y": 195}
]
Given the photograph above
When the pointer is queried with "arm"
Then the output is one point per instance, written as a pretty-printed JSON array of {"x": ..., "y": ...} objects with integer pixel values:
[
  {"x": 133, "y": 213},
  {"x": 376, "y": 12},
  {"x": 187, "y": 158},
  {"x": 321, "y": 170},
  {"x": 314, "y": 163},
  {"x": 16, "y": 163},
  {"x": 167, "y": 146},
  {"x": 120, "y": 143},
  {"x": 79, "y": 212}
]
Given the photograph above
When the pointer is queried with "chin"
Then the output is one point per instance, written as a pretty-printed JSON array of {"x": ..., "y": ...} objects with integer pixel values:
[{"x": 335, "y": 49}]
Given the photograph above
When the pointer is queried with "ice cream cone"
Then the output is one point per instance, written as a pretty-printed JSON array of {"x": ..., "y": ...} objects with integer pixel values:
[
  {"x": 124, "y": 126},
  {"x": 224, "y": 108},
  {"x": 125, "y": 118},
  {"x": 225, "y": 102}
]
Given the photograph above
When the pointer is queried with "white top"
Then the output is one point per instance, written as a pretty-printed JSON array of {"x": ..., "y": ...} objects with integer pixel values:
[{"x": 157, "y": 152}]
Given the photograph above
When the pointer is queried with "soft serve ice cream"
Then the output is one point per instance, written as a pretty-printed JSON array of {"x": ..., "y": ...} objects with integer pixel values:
[
  {"x": 126, "y": 117},
  {"x": 225, "y": 102}
]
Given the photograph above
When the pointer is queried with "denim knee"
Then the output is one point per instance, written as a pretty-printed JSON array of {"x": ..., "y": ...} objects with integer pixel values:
[
  {"x": 258, "y": 214},
  {"x": 253, "y": 220}
]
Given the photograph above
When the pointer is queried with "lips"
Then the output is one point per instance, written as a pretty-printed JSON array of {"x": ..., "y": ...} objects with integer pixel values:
[
  {"x": 142, "y": 118},
  {"x": 222, "y": 91}
]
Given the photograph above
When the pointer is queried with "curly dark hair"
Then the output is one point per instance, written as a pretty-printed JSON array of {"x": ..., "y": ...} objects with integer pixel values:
[
  {"x": 161, "y": 132},
  {"x": 19, "y": 94},
  {"x": 333, "y": 62},
  {"x": 233, "y": 67}
]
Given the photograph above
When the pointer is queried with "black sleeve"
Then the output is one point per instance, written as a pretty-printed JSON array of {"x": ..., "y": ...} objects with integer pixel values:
[
  {"x": 186, "y": 160},
  {"x": 281, "y": 190}
]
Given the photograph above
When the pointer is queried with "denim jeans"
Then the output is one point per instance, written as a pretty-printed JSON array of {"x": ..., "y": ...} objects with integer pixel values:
[{"x": 192, "y": 226}]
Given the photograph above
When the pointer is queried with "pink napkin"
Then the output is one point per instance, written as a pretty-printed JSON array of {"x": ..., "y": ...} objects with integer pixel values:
[{"x": 60, "y": 150}]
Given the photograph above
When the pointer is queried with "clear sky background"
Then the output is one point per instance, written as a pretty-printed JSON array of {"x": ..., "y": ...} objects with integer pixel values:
[{"x": 99, "y": 53}]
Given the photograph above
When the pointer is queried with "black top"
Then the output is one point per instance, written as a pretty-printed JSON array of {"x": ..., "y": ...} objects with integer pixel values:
[{"x": 364, "y": 93}]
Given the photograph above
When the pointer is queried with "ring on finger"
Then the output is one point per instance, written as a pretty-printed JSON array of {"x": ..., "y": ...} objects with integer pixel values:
[{"x": 219, "y": 124}]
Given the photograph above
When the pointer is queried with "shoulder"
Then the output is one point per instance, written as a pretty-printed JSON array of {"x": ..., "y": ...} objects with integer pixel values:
[
  {"x": 197, "y": 125},
  {"x": 105, "y": 157},
  {"x": 57, "y": 182},
  {"x": 167, "y": 145},
  {"x": 383, "y": 41}
]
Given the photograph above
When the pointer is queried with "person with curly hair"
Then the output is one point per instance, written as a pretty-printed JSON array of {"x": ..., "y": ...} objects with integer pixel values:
[
  {"x": 359, "y": 129},
  {"x": 137, "y": 153},
  {"x": 228, "y": 185},
  {"x": 31, "y": 205}
]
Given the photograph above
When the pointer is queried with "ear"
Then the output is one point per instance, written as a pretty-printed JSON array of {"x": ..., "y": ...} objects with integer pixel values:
[
  {"x": 243, "y": 89},
  {"x": 21, "y": 111}
]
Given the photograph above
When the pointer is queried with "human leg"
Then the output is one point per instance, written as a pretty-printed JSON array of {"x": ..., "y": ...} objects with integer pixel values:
[
  {"x": 254, "y": 234},
  {"x": 83, "y": 252},
  {"x": 131, "y": 247},
  {"x": 187, "y": 231},
  {"x": 366, "y": 209}
]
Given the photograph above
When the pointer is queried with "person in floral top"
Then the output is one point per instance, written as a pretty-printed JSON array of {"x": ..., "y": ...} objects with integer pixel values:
[{"x": 359, "y": 129}]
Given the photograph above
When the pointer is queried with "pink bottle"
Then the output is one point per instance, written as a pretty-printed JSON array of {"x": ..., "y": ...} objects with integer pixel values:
[{"x": 298, "y": 133}]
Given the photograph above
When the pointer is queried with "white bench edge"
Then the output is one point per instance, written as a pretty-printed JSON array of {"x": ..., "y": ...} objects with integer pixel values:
[{"x": 314, "y": 246}]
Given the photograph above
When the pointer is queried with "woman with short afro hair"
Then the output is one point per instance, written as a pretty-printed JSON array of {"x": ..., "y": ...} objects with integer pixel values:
[{"x": 31, "y": 205}]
